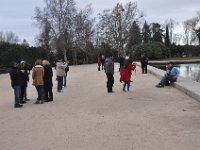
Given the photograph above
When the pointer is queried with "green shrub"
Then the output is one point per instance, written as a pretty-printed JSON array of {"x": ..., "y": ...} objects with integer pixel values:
[{"x": 153, "y": 51}]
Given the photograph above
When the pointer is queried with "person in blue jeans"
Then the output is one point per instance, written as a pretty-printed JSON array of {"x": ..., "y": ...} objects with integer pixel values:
[
  {"x": 171, "y": 75},
  {"x": 60, "y": 73},
  {"x": 15, "y": 83}
]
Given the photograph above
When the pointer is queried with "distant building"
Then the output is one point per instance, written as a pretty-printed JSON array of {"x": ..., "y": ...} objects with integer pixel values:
[{"x": 25, "y": 43}]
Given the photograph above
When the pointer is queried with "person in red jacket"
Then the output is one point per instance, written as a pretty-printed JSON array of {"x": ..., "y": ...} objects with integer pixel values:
[
  {"x": 126, "y": 73},
  {"x": 99, "y": 63}
]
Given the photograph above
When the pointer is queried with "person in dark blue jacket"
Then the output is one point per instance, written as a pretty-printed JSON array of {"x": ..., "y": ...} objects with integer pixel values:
[
  {"x": 171, "y": 75},
  {"x": 15, "y": 83}
]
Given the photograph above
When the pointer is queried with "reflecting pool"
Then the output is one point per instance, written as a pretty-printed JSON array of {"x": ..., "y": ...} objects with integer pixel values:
[{"x": 190, "y": 71}]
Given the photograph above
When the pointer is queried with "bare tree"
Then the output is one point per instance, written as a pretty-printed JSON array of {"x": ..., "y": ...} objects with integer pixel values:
[
  {"x": 59, "y": 15},
  {"x": 187, "y": 31},
  {"x": 115, "y": 24},
  {"x": 193, "y": 26},
  {"x": 84, "y": 29},
  {"x": 9, "y": 37}
]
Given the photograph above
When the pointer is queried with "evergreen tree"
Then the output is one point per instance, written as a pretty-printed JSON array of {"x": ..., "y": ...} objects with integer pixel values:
[
  {"x": 167, "y": 41},
  {"x": 146, "y": 32},
  {"x": 157, "y": 32},
  {"x": 135, "y": 37}
]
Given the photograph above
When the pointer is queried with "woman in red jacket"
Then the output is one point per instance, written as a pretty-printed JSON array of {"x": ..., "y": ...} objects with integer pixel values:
[
  {"x": 126, "y": 74},
  {"x": 99, "y": 63}
]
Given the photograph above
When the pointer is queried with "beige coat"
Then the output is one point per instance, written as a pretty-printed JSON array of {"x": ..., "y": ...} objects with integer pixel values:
[
  {"x": 37, "y": 75},
  {"x": 60, "y": 69}
]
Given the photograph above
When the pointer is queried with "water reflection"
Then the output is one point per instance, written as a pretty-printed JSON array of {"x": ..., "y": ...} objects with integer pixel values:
[{"x": 190, "y": 71}]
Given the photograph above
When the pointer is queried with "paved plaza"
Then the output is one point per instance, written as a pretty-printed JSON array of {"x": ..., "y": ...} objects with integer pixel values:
[{"x": 85, "y": 117}]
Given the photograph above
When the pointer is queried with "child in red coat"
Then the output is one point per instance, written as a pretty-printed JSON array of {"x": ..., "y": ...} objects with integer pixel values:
[
  {"x": 126, "y": 74},
  {"x": 99, "y": 63}
]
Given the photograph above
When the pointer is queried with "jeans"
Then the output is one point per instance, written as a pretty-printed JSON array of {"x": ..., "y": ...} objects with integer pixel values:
[
  {"x": 166, "y": 79},
  {"x": 40, "y": 92},
  {"x": 17, "y": 94},
  {"x": 128, "y": 86},
  {"x": 60, "y": 83}
]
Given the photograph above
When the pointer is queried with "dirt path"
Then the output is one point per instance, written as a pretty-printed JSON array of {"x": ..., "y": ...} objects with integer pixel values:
[{"x": 86, "y": 117}]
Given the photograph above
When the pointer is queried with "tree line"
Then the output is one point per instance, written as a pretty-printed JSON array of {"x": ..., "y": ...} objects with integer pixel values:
[{"x": 72, "y": 33}]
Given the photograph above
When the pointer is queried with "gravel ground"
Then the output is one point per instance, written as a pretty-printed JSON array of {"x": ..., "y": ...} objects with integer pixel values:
[{"x": 85, "y": 117}]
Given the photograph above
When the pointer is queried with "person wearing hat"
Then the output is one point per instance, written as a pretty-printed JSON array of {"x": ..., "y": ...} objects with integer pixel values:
[
  {"x": 171, "y": 75},
  {"x": 15, "y": 83}
]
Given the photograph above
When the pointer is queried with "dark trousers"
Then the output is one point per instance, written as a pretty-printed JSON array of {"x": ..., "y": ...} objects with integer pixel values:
[
  {"x": 126, "y": 84},
  {"x": 17, "y": 94},
  {"x": 65, "y": 81},
  {"x": 102, "y": 66},
  {"x": 48, "y": 93},
  {"x": 144, "y": 68},
  {"x": 60, "y": 83},
  {"x": 110, "y": 81},
  {"x": 40, "y": 92},
  {"x": 167, "y": 79},
  {"x": 99, "y": 68},
  {"x": 23, "y": 90}
]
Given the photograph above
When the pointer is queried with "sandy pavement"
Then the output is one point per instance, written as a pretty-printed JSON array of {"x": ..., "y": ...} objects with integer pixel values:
[{"x": 85, "y": 117}]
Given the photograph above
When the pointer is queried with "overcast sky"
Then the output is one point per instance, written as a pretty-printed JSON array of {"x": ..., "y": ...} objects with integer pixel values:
[{"x": 16, "y": 15}]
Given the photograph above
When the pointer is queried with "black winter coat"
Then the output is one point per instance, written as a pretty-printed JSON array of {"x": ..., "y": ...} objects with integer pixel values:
[
  {"x": 24, "y": 77},
  {"x": 48, "y": 74},
  {"x": 15, "y": 77}
]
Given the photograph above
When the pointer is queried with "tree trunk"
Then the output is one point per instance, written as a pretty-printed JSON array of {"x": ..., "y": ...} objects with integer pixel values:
[
  {"x": 75, "y": 58},
  {"x": 65, "y": 54}
]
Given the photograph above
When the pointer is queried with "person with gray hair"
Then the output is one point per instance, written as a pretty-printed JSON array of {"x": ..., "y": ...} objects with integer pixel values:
[{"x": 48, "y": 84}]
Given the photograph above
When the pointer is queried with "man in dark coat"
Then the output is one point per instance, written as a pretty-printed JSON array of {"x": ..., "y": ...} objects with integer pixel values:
[
  {"x": 144, "y": 63},
  {"x": 109, "y": 70},
  {"x": 15, "y": 83},
  {"x": 24, "y": 80},
  {"x": 48, "y": 84}
]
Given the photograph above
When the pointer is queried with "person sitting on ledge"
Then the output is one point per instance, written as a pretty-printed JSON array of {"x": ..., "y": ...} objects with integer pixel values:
[{"x": 171, "y": 75}]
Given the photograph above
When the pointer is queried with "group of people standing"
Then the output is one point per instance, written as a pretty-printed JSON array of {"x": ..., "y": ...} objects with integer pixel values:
[
  {"x": 42, "y": 75},
  {"x": 126, "y": 68},
  {"x": 19, "y": 81},
  {"x": 42, "y": 80}
]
